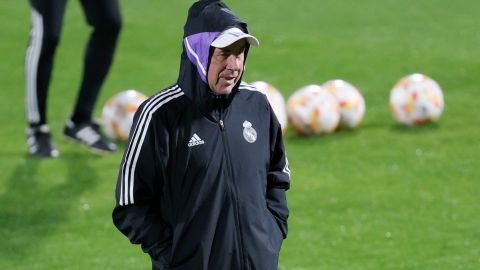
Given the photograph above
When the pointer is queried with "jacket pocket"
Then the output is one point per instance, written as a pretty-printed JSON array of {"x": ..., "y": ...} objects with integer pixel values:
[
  {"x": 160, "y": 261},
  {"x": 276, "y": 236},
  {"x": 159, "y": 265}
]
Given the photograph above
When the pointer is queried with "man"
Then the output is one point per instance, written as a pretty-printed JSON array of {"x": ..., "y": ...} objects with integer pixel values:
[
  {"x": 203, "y": 179},
  {"x": 47, "y": 19}
]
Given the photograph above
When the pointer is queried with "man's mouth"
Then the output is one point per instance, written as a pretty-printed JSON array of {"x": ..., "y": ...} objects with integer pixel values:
[{"x": 229, "y": 79}]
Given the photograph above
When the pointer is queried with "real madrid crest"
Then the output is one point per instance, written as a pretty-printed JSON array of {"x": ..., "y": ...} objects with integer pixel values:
[{"x": 249, "y": 133}]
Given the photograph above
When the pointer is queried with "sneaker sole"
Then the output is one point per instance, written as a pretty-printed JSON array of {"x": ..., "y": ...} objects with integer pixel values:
[
  {"x": 92, "y": 149},
  {"x": 35, "y": 155}
]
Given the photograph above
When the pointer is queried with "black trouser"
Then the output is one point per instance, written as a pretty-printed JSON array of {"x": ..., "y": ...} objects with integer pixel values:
[{"x": 47, "y": 18}]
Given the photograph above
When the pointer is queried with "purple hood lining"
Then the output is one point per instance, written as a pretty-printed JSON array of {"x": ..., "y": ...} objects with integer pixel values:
[{"x": 197, "y": 47}]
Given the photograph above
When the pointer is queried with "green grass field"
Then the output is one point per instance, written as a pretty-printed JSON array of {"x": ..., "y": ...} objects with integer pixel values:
[{"x": 381, "y": 197}]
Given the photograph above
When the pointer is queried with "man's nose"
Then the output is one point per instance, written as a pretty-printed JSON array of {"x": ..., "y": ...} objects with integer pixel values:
[{"x": 233, "y": 62}]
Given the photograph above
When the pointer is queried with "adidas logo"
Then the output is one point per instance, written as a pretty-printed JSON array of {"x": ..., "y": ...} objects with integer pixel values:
[{"x": 195, "y": 140}]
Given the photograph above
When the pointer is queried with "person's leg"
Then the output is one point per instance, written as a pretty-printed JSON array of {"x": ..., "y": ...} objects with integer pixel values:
[
  {"x": 104, "y": 16},
  {"x": 47, "y": 18}
]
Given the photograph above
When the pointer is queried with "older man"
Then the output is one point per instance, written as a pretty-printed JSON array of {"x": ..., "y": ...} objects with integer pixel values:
[{"x": 203, "y": 179}]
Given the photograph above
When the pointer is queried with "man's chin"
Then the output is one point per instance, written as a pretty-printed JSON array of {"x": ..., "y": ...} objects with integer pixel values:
[{"x": 224, "y": 90}]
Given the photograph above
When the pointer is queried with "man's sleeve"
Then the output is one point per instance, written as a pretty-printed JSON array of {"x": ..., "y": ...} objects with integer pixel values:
[
  {"x": 136, "y": 213},
  {"x": 278, "y": 177}
]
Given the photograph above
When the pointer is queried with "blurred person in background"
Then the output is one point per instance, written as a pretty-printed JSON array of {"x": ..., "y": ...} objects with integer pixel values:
[{"x": 47, "y": 20}]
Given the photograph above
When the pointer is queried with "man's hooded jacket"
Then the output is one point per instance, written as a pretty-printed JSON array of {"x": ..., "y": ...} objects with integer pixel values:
[{"x": 202, "y": 181}]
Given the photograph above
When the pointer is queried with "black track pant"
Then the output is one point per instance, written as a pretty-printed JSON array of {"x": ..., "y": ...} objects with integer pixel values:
[{"x": 47, "y": 18}]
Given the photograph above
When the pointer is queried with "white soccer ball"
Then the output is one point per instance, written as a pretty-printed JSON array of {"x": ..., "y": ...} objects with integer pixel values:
[
  {"x": 118, "y": 112},
  {"x": 313, "y": 110},
  {"x": 276, "y": 101},
  {"x": 350, "y": 100},
  {"x": 416, "y": 99}
]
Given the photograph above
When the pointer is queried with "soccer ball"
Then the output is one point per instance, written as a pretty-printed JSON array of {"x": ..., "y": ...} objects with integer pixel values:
[
  {"x": 313, "y": 110},
  {"x": 117, "y": 114},
  {"x": 350, "y": 100},
  {"x": 276, "y": 101},
  {"x": 416, "y": 99}
]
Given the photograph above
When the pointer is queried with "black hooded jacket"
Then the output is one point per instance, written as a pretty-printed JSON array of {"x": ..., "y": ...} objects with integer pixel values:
[{"x": 202, "y": 182}]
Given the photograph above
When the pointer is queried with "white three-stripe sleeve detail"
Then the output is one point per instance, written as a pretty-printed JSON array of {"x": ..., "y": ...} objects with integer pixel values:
[
  {"x": 286, "y": 169},
  {"x": 31, "y": 67},
  {"x": 126, "y": 164},
  {"x": 136, "y": 142},
  {"x": 137, "y": 153},
  {"x": 132, "y": 147}
]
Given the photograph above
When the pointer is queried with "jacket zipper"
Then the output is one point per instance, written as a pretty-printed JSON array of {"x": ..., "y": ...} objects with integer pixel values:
[{"x": 234, "y": 191}]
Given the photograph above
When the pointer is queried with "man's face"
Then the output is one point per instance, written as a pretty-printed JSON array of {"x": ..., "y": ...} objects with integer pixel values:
[{"x": 226, "y": 67}]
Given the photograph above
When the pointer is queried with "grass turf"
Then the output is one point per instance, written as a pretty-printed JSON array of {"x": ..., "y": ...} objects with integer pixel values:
[{"x": 383, "y": 196}]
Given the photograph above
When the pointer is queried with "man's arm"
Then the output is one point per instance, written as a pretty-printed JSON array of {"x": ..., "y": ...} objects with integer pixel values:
[
  {"x": 278, "y": 177},
  {"x": 139, "y": 185}
]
